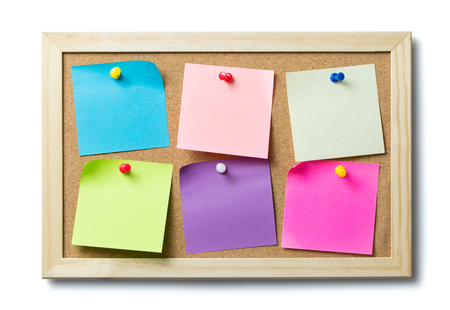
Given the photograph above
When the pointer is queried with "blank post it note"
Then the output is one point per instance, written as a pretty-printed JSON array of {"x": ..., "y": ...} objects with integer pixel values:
[
  {"x": 124, "y": 114},
  {"x": 226, "y": 117},
  {"x": 228, "y": 210},
  {"x": 325, "y": 212},
  {"x": 333, "y": 120},
  {"x": 123, "y": 210}
]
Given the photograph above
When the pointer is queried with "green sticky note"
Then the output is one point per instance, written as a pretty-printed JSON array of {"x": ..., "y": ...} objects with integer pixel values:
[{"x": 123, "y": 210}]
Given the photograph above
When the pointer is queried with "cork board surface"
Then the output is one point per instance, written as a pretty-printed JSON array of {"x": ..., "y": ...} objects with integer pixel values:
[{"x": 281, "y": 151}]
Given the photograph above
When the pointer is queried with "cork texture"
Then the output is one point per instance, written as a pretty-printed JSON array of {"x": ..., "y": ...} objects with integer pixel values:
[{"x": 281, "y": 151}]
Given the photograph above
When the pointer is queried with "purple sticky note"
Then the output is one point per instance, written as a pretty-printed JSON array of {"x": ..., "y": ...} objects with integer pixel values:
[{"x": 230, "y": 210}]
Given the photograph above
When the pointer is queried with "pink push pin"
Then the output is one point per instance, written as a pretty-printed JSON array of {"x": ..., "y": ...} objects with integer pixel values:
[
  {"x": 225, "y": 76},
  {"x": 125, "y": 168}
]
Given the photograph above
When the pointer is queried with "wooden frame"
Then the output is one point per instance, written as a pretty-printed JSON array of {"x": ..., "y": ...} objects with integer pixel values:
[{"x": 54, "y": 265}]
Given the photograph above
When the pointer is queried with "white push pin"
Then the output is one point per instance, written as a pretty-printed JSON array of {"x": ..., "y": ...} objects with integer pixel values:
[{"x": 221, "y": 168}]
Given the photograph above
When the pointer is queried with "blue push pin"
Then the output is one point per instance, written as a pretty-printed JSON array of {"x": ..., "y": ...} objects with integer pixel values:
[{"x": 337, "y": 77}]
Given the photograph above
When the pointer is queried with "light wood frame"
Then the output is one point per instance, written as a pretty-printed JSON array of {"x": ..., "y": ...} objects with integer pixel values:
[{"x": 54, "y": 265}]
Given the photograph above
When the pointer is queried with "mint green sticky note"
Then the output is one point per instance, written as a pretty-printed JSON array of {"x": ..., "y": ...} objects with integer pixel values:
[
  {"x": 123, "y": 211},
  {"x": 334, "y": 120}
]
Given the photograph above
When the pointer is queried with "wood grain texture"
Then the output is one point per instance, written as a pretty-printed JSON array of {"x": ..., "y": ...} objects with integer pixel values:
[
  {"x": 225, "y": 268},
  {"x": 55, "y": 266},
  {"x": 228, "y": 42},
  {"x": 401, "y": 153},
  {"x": 52, "y": 155}
]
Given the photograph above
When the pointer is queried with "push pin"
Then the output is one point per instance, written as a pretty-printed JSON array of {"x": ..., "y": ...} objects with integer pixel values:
[
  {"x": 340, "y": 171},
  {"x": 225, "y": 76},
  {"x": 337, "y": 77},
  {"x": 115, "y": 73},
  {"x": 221, "y": 168},
  {"x": 125, "y": 168}
]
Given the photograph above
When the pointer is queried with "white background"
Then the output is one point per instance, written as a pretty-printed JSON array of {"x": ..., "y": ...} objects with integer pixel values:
[{"x": 20, "y": 83}]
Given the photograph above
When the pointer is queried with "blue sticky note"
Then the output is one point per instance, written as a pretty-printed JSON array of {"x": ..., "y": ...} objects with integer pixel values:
[{"x": 124, "y": 114}]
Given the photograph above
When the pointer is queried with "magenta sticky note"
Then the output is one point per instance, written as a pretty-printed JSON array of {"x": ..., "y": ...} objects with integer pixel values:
[
  {"x": 325, "y": 212},
  {"x": 226, "y": 117},
  {"x": 230, "y": 210}
]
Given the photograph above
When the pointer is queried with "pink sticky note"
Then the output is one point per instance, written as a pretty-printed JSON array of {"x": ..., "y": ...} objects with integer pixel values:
[
  {"x": 325, "y": 212},
  {"x": 226, "y": 117}
]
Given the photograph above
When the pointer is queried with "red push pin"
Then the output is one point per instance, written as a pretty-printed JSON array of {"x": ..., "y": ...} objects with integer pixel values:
[
  {"x": 225, "y": 76},
  {"x": 124, "y": 168}
]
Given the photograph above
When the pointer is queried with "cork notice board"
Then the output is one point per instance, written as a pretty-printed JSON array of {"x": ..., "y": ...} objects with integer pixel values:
[{"x": 281, "y": 52}]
